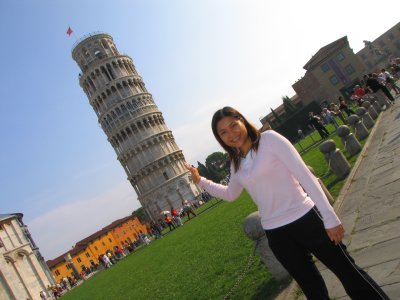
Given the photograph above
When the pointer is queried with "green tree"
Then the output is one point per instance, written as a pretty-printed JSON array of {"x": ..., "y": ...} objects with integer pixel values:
[
  {"x": 277, "y": 118},
  {"x": 141, "y": 215},
  {"x": 203, "y": 171},
  {"x": 290, "y": 108},
  {"x": 217, "y": 166}
]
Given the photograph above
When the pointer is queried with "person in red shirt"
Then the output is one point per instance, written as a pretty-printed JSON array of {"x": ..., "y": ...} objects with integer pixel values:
[
  {"x": 358, "y": 95},
  {"x": 169, "y": 222},
  {"x": 175, "y": 217}
]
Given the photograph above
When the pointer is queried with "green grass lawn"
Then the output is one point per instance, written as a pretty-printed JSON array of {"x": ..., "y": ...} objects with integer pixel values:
[
  {"x": 200, "y": 260},
  {"x": 314, "y": 158}
]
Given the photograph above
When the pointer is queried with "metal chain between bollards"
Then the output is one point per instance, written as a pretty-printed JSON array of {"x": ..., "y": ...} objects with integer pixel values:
[
  {"x": 327, "y": 171},
  {"x": 243, "y": 274}
]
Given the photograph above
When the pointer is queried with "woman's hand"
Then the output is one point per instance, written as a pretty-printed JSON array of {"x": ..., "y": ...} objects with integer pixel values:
[
  {"x": 194, "y": 172},
  {"x": 336, "y": 233}
]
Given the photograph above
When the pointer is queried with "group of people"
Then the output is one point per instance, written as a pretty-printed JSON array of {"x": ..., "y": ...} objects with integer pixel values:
[
  {"x": 57, "y": 290},
  {"x": 373, "y": 83},
  {"x": 173, "y": 218},
  {"x": 327, "y": 116},
  {"x": 109, "y": 258}
]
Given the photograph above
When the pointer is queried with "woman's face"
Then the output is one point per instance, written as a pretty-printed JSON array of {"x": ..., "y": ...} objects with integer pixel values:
[{"x": 233, "y": 133}]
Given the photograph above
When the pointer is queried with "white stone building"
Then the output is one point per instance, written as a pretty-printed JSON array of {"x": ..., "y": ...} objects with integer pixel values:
[
  {"x": 23, "y": 271},
  {"x": 134, "y": 125}
]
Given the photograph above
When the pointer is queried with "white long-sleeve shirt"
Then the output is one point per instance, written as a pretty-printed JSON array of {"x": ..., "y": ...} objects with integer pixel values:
[{"x": 274, "y": 176}]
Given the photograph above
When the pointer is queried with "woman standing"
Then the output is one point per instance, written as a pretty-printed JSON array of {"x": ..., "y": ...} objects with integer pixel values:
[{"x": 297, "y": 223}]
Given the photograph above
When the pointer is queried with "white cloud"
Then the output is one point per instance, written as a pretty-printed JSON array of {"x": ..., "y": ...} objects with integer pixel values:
[{"x": 57, "y": 230}]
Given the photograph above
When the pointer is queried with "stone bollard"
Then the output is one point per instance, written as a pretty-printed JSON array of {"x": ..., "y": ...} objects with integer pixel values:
[
  {"x": 365, "y": 117},
  {"x": 371, "y": 110},
  {"x": 335, "y": 158},
  {"x": 359, "y": 128},
  {"x": 254, "y": 231},
  {"x": 349, "y": 141},
  {"x": 324, "y": 188},
  {"x": 382, "y": 100},
  {"x": 375, "y": 104}
]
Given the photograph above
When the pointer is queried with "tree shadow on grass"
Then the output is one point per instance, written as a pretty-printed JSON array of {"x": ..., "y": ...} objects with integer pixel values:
[{"x": 270, "y": 289}]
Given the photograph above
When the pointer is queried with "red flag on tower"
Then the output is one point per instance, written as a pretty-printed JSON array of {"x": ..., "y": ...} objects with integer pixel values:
[{"x": 69, "y": 31}]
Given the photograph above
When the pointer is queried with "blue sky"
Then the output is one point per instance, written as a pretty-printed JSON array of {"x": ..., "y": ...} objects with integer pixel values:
[{"x": 56, "y": 166}]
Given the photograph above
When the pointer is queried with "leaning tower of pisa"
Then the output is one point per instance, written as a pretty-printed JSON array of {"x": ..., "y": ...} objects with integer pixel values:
[{"x": 134, "y": 125}]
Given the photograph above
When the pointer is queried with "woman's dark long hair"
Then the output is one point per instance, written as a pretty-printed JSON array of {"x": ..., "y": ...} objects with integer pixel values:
[{"x": 252, "y": 131}]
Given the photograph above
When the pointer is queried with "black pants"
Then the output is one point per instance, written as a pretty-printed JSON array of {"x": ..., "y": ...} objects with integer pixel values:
[
  {"x": 188, "y": 212},
  {"x": 387, "y": 93},
  {"x": 323, "y": 132},
  {"x": 170, "y": 224},
  {"x": 293, "y": 244}
]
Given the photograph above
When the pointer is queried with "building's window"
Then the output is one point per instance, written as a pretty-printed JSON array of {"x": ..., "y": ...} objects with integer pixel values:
[
  {"x": 103, "y": 243},
  {"x": 57, "y": 272},
  {"x": 165, "y": 175},
  {"x": 87, "y": 254},
  {"x": 95, "y": 248},
  {"x": 334, "y": 80},
  {"x": 363, "y": 56},
  {"x": 349, "y": 69},
  {"x": 381, "y": 43},
  {"x": 78, "y": 260},
  {"x": 391, "y": 36},
  {"x": 97, "y": 53},
  {"x": 340, "y": 56},
  {"x": 68, "y": 266},
  {"x": 369, "y": 65},
  {"x": 325, "y": 67},
  {"x": 105, "y": 45},
  {"x": 110, "y": 240}
]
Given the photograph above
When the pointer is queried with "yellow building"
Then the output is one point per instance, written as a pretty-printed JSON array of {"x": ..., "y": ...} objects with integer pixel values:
[{"x": 86, "y": 252}]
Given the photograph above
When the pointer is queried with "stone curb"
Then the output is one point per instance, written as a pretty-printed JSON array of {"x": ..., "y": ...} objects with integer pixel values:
[{"x": 341, "y": 197}]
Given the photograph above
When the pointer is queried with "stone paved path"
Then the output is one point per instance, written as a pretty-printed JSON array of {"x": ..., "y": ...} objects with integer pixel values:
[{"x": 369, "y": 207}]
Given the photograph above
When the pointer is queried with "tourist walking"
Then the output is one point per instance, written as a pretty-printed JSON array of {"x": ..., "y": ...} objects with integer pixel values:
[
  {"x": 344, "y": 107},
  {"x": 176, "y": 217},
  {"x": 329, "y": 117},
  {"x": 187, "y": 208},
  {"x": 294, "y": 211},
  {"x": 337, "y": 112},
  {"x": 373, "y": 84},
  {"x": 389, "y": 81},
  {"x": 106, "y": 260},
  {"x": 316, "y": 123},
  {"x": 169, "y": 222}
]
